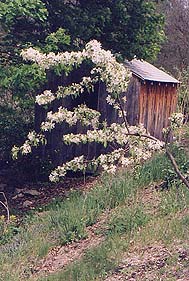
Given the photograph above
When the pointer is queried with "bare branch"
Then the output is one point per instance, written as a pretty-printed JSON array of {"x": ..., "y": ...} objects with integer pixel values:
[
  {"x": 142, "y": 136},
  {"x": 175, "y": 166},
  {"x": 123, "y": 115},
  {"x": 5, "y": 205}
]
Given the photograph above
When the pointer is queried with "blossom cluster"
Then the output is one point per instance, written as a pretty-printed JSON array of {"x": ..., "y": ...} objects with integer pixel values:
[
  {"x": 106, "y": 69},
  {"x": 114, "y": 133},
  {"x": 74, "y": 89},
  {"x": 176, "y": 120},
  {"x": 108, "y": 162},
  {"x": 47, "y": 61},
  {"x": 33, "y": 140},
  {"x": 45, "y": 98},
  {"x": 76, "y": 164},
  {"x": 83, "y": 114}
]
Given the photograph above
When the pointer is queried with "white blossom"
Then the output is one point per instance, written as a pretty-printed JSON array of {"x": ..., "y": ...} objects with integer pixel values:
[
  {"x": 176, "y": 120},
  {"x": 45, "y": 98},
  {"x": 26, "y": 148},
  {"x": 83, "y": 114},
  {"x": 31, "y": 136},
  {"x": 110, "y": 100},
  {"x": 15, "y": 150}
]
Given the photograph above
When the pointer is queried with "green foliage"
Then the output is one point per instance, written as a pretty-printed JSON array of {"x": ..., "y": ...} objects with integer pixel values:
[
  {"x": 176, "y": 200},
  {"x": 8, "y": 229},
  {"x": 127, "y": 27},
  {"x": 22, "y": 80},
  {"x": 68, "y": 221},
  {"x": 18, "y": 85},
  {"x": 171, "y": 178},
  {"x": 126, "y": 220},
  {"x": 151, "y": 170},
  {"x": 13, "y": 126},
  {"x": 18, "y": 82},
  {"x": 57, "y": 41},
  {"x": 23, "y": 22},
  {"x": 13, "y": 11}
]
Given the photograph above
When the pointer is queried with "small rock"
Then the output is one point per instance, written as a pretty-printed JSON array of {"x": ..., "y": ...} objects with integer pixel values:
[
  {"x": 183, "y": 255},
  {"x": 32, "y": 192},
  {"x": 18, "y": 190},
  {"x": 27, "y": 204},
  {"x": 20, "y": 195}
]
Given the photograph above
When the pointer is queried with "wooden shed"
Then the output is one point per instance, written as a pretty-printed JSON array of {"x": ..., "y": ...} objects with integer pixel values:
[{"x": 151, "y": 97}]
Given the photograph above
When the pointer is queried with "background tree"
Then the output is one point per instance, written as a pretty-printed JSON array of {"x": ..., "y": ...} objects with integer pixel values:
[
  {"x": 132, "y": 28},
  {"x": 124, "y": 26},
  {"x": 174, "y": 54},
  {"x": 23, "y": 22}
]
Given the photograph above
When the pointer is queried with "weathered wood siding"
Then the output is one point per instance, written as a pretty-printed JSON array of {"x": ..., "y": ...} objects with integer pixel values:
[
  {"x": 56, "y": 150},
  {"x": 157, "y": 101},
  {"x": 151, "y": 104},
  {"x": 132, "y": 103}
]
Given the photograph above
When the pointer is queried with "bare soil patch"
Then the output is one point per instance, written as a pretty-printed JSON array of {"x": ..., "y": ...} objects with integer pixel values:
[
  {"x": 61, "y": 256},
  {"x": 154, "y": 262},
  {"x": 30, "y": 196}
]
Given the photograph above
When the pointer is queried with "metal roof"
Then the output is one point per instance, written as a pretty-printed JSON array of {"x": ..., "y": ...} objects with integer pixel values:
[{"x": 147, "y": 71}]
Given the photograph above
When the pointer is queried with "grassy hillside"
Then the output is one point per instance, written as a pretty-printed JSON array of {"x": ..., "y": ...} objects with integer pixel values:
[{"x": 128, "y": 226}]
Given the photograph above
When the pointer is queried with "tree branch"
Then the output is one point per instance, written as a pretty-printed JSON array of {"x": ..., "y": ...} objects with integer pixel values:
[
  {"x": 5, "y": 205},
  {"x": 175, "y": 166},
  {"x": 123, "y": 115},
  {"x": 142, "y": 136}
]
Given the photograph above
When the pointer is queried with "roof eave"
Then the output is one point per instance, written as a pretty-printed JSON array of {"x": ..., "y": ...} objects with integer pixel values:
[{"x": 155, "y": 81}]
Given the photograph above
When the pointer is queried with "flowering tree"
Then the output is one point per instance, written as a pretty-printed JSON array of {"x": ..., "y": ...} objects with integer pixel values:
[{"x": 106, "y": 69}]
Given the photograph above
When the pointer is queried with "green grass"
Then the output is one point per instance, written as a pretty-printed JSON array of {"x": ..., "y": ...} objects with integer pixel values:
[
  {"x": 131, "y": 222},
  {"x": 100, "y": 260},
  {"x": 66, "y": 221},
  {"x": 174, "y": 200},
  {"x": 125, "y": 225}
]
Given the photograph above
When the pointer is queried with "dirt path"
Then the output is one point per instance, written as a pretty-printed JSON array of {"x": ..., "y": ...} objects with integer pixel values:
[
  {"x": 152, "y": 263},
  {"x": 60, "y": 257},
  {"x": 140, "y": 264}
]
